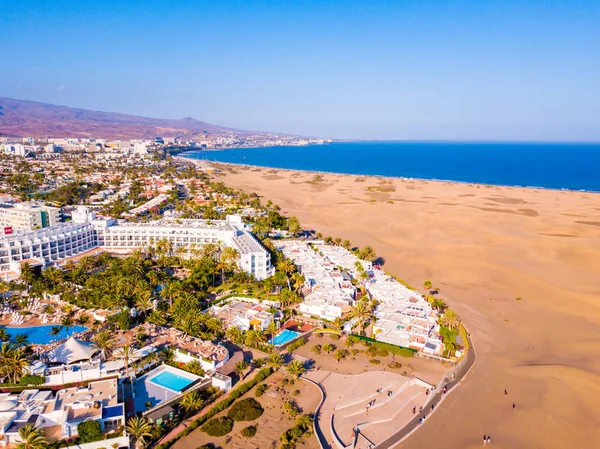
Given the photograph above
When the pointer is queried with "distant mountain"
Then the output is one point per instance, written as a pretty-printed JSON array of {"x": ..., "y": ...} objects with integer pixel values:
[{"x": 22, "y": 118}]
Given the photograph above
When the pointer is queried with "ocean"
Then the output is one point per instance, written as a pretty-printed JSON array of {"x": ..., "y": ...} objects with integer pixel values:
[{"x": 572, "y": 166}]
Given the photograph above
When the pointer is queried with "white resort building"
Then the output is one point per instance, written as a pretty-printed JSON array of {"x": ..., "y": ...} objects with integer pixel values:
[
  {"x": 404, "y": 317},
  {"x": 54, "y": 244},
  {"x": 59, "y": 415}
]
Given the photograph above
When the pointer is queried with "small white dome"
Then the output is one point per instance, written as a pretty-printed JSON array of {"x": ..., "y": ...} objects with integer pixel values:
[{"x": 7, "y": 405}]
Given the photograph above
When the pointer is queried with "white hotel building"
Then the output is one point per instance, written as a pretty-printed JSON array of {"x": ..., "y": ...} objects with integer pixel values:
[{"x": 85, "y": 233}]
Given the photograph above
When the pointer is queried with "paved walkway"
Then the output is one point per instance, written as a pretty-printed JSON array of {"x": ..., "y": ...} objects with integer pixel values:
[{"x": 461, "y": 370}]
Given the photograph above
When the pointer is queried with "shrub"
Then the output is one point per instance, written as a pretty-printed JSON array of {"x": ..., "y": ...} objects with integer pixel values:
[
  {"x": 32, "y": 379},
  {"x": 374, "y": 361},
  {"x": 316, "y": 349},
  {"x": 295, "y": 345},
  {"x": 246, "y": 410},
  {"x": 219, "y": 407},
  {"x": 249, "y": 431},
  {"x": 319, "y": 334},
  {"x": 383, "y": 353},
  {"x": 395, "y": 365},
  {"x": 296, "y": 393},
  {"x": 218, "y": 427},
  {"x": 334, "y": 336},
  {"x": 260, "y": 390},
  {"x": 89, "y": 431},
  {"x": 372, "y": 351}
]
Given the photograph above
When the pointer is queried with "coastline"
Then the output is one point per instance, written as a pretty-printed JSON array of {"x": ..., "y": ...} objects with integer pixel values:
[
  {"x": 435, "y": 180},
  {"x": 484, "y": 246}
]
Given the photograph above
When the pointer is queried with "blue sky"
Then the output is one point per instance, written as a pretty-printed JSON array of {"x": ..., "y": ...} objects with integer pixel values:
[{"x": 420, "y": 69}]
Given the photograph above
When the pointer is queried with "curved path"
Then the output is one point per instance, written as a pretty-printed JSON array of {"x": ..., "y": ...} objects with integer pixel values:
[{"x": 459, "y": 374}]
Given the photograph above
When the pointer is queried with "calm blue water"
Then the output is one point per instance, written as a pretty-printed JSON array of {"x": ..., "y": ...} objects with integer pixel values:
[
  {"x": 556, "y": 166},
  {"x": 40, "y": 335},
  {"x": 171, "y": 380},
  {"x": 284, "y": 336}
]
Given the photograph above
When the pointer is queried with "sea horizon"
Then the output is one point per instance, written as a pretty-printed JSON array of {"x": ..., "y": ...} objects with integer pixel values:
[{"x": 539, "y": 165}]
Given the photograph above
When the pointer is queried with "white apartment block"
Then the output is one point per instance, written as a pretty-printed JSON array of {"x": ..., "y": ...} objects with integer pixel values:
[
  {"x": 17, "y": 149},
  {"x": 51, "y": 244},
  {"x": 28, "y": 215},
  {"x": 84, "y": 233}
]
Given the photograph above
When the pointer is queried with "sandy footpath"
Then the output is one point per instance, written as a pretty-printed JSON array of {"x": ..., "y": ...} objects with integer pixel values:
[{"x": 484, "y": 247}]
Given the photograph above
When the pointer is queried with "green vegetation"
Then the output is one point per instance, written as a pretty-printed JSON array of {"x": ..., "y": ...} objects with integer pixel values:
[
  {"x": 218, "y": 427},
  {"x": 249, "y": 431},
  {"x": 235, "y": 394},
  {"x": 392, "y": 349},
  {"x": 246, "y": 410},
  {"x": 89, "y": 431},
  {"x": 291, "y": 436},
  {"x": 260, "y": 390},
  {"x": 296, "y": 344}
]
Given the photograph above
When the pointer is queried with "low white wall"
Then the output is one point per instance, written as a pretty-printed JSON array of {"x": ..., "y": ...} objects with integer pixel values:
[{"x": 104, "y": 444}]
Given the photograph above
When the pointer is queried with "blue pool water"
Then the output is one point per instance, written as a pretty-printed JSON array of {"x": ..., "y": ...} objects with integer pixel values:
[
  {"x": 171, "y": 380},
  {"x": 40, "y": 335},
  {"x": 284, "y": 336},
  {"x": 571, "y": 166}
]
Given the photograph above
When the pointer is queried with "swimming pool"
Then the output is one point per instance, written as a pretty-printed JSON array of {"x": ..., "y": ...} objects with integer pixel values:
[
  {"x": 40, "y": 335},
  {"x": 171, "y": 380},
  {"x": 284, "y": 336}
]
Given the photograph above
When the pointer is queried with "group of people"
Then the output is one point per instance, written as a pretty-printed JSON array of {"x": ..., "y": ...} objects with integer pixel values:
[{"x": 487, "y": 438}]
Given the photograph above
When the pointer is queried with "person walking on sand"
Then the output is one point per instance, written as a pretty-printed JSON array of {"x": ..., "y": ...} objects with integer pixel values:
[
  {"x": 489, "y": 440},
  {"x": 505, "y": 393},
  {"x": 484, "y": 439},
  {"x": 514, "y": 406}
]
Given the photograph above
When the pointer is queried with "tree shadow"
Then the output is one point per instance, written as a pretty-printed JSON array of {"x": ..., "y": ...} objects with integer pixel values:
[{"x": 379, "y": 261}]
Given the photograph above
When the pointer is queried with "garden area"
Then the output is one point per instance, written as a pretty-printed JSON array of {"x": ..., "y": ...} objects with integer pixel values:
[
  {"x": 348, "y": 355},
  {"x": 270, "y": 415}
]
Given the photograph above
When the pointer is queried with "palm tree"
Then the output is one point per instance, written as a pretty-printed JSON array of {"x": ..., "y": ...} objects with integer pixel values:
[
  {"x": 12, "y": 362},
  {"x": 67, "y": 323},
  {"x": 254, "y": 338},
  {"x": 362, "y": 312},
  {"x": 304, "y": 421},
  {"x": 272, "y": 330},
  {"x": 228, "y": 258},
  {"x": 4, "y": 289},
  {"x": 4, "y": 335},
  {"x": 339, "y": 355},
  {"x": 240, "y": 367},
  {"x": 299, "y": 281},
  {"x": 427, "y": 285},
  {"x": 125, "y": 353},
  {"x": 347, "y": 245},
  {"x": 295, "y": 368},
  {"x": 275, "y": 361},
  {"x": 144, "y": 301},
  {"x": 105, "y": 343},
  {"x": 288, "y": 267},
  {"x": 450, "y": 319},
  {"x": 234, "y": 334},
  {"x": 139, "y": 429},
  {"x": 191, "y": 402},
  {"x": 439, "y": 304},
  {"x": 32, "y": 438},
  {"x": 368, "y": 253},
  {"x": 55, "y": 331}
]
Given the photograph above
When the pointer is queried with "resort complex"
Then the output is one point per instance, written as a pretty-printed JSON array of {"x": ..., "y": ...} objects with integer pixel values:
[
  {"x": 165, "y": 307},
  {"x": 54, "y": 245},
  {"x": 403, "y": 316}
]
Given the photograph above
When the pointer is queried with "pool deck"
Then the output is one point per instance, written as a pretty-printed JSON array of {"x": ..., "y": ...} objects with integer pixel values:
[{"x": 146, "y": 390}]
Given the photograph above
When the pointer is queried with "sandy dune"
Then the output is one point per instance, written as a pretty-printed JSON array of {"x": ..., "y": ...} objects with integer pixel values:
[{"x": 483, "y": 246}]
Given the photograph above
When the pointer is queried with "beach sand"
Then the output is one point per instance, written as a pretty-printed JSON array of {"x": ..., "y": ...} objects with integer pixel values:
[{"x": 484, "y": 247}]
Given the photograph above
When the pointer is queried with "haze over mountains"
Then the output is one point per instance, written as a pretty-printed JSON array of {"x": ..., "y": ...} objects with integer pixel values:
[{"x": 23, "y": 118}]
